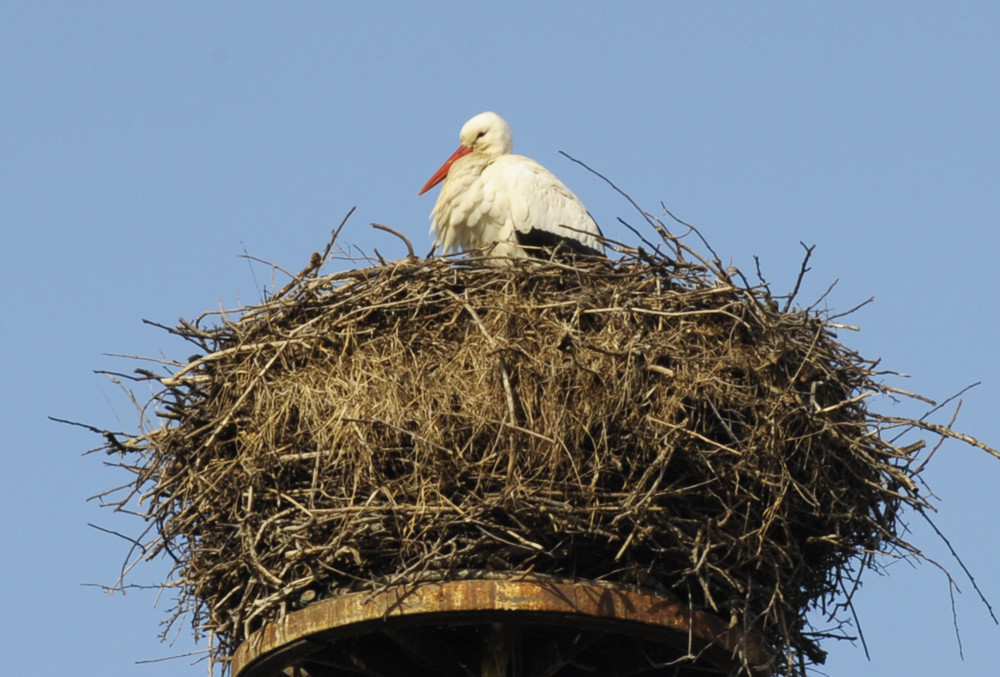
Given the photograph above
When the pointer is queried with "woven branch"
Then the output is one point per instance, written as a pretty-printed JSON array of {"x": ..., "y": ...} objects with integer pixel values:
[{"x": 644, "y": 422}]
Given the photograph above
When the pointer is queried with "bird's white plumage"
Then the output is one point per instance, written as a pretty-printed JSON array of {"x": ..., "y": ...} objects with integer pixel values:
[{"x": 491, "y": 197}]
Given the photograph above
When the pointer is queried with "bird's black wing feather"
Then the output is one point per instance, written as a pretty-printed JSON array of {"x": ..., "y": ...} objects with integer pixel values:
[{"x": 544, "y": 244}]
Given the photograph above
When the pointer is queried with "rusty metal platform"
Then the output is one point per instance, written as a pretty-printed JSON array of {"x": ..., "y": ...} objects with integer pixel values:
[{"x": 496, "y": 628}]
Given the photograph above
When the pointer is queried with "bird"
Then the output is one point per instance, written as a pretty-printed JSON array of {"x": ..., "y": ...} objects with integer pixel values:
[{"x": 508, "y": 205}]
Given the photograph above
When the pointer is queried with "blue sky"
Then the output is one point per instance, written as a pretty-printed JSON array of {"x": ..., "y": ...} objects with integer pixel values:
[{"x": 144, "y": 147}]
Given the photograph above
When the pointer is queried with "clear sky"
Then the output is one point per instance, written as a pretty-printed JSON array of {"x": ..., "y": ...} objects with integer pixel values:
[{"x": 145, "y": 146}]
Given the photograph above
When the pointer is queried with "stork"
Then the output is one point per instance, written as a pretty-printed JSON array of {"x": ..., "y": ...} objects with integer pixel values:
[{"x": 507, "y": 204}]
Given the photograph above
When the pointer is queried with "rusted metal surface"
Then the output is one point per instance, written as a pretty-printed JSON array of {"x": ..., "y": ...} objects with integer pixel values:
[{"x": 587, "y": 606}]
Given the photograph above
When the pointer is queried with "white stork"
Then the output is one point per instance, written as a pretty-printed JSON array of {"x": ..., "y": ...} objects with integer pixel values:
[{"x": 508, "y": 202}]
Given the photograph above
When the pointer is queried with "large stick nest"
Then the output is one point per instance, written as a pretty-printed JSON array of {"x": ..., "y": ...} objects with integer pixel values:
[{"x": 647, "y": 422}]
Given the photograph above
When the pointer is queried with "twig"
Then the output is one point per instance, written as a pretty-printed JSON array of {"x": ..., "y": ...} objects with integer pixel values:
[
  {"x": 333, "y": 237},
  {"x": 802, "y": 273},
  {"x": 406, "y": 241},
  {"x": 958, "y": 559}
]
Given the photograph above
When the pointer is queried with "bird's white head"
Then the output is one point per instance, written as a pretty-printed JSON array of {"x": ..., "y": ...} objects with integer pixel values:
[{"x": 487, "y": 133}]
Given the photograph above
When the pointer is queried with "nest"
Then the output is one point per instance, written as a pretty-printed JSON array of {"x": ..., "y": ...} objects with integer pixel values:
[{"x": 650, "y": 422}]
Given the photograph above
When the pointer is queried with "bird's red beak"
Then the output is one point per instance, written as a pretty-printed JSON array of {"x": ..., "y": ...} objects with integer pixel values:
[{"x": 443, "y": 172}]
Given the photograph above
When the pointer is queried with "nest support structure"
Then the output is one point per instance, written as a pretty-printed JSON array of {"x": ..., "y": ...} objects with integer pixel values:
[
  {"x": 650, "y": 424},
  {"x": 498, "y": 627}
]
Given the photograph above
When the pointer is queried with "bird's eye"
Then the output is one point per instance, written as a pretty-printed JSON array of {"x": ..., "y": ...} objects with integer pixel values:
[{"x": 480, "y": 135}]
